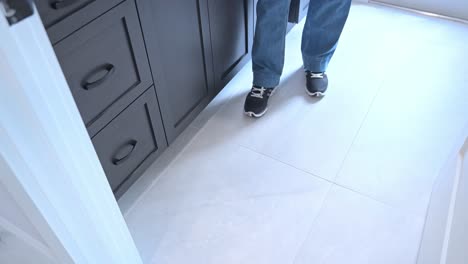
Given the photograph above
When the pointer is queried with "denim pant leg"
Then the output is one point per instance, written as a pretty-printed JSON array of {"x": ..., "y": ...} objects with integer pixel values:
[
  {"x": 269, "y": 42},
  {"x": 324, "y": 24}
]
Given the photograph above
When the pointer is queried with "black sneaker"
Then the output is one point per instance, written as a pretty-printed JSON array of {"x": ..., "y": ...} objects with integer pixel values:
[
  {"x": 316, "y": 83},
  {"x": 256, "y": 103}
]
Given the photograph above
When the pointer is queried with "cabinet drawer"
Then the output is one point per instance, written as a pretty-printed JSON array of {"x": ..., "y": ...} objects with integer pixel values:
[
  {"x": 62, "y": 17},
  {"x": 131, "y": 141},
  {"x": 105, "y": 60}
]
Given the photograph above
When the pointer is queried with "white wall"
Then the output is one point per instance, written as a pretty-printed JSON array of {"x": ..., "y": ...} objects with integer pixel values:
[{"x": 451, "y": 8}]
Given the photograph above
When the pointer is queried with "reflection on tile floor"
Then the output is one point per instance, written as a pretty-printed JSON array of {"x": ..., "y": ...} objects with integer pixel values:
[{"x": 344, "y": 179}]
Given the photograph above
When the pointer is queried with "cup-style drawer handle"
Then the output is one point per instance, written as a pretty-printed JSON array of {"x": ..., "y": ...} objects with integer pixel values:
[
  {"x": 108, "y": 70},
  {"x": 124, "y": 152},
  {"x": 59, "y": 4}
]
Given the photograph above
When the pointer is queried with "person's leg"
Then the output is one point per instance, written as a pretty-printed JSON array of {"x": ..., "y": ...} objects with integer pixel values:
[
  {"x": 267, "y": 54},
  {"x": 323, "y": 27},
  {"x": 269, "y": 42}
]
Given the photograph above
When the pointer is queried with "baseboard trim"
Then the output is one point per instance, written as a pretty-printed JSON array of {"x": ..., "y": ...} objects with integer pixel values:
[{"x": 420, "y": 12}]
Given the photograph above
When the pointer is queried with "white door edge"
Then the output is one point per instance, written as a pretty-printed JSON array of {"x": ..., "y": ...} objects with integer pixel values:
[
  {"x": 453, "y": 198},
  {"x": 56, "y": 176}
]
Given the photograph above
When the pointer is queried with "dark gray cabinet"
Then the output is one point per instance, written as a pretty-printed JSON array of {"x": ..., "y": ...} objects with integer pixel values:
[
  {"x": 101, "y": 50},
  {"x": 141, "y": 70},
  {"x": 130, "y": 142},
  {"x": 179, "y": 49},
  {"x": 232, "y": 27},
  {"x": 105, "y": 61},
  {"x": 297, "y": 11}
]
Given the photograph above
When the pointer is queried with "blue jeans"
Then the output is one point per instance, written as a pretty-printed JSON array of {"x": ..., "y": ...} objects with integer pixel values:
[{"x": 323, "y": 27}]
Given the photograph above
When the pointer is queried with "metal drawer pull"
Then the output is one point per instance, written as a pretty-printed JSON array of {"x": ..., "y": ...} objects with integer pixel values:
[
  {"x": 59, "y": 4},
  {"x": 109, "y": 70},
  {"x": 124, "y": 152}
]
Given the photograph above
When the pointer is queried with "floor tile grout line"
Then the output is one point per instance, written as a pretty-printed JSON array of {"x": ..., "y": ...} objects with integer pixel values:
[
  {"x": 309, "y": 231},
  {"x": 278, "y": 194},
  {"x": 364, "y": 119},
  {"x": 370, "y": 197},
  {"x": 230, "y": 201},
  {"x": 399, "y": 210},
  {"x": 327, "y": 180},
  {"x": 285, "y": 163}
]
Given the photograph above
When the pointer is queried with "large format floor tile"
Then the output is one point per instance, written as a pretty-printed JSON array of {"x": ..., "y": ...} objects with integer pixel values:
[
  {"x": 354, "y": 229},
  {"x": 206, "y": 174},
  {"x": 411, "y": 126},
  {"x": 259, "y": 230},
  {"x": 206, "y": 178}
]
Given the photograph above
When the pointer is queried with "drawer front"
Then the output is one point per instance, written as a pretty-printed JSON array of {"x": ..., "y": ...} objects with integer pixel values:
[
  {"x": 131, "y": 141},
  {"x": 62, "y": 17},
  {"x": 104, "y": 61}
]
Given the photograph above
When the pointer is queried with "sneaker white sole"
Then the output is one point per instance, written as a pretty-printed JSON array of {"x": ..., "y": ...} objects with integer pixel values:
[
  {"x": 316, "y": 94},
  {"x": 252, "y": 114}
]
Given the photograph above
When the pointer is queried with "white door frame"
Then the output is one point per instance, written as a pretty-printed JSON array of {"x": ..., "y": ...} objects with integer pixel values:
[
  {"x": 49, "y": 163},
  {"x": 435, "y": 241}
]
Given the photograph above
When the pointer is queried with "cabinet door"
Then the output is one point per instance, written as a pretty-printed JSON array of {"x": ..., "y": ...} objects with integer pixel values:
[
  {"x": 232, "y": 27},
  {"x": 179, "y": 50}
]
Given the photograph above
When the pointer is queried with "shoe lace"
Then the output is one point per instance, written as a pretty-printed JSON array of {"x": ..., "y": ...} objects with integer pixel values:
[
  {"x": 257, "y": 92},
  {"x": 318, "y": 75}
]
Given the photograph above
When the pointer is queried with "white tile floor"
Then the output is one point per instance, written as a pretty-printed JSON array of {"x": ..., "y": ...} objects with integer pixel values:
[{"x": 345, "y": 179}]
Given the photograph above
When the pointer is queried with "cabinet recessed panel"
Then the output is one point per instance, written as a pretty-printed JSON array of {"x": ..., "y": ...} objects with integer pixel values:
[
  {"x": 177, "y": 38},
  {"x": 105, "y": 60},
  {"x": 231, "y": 24}
]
